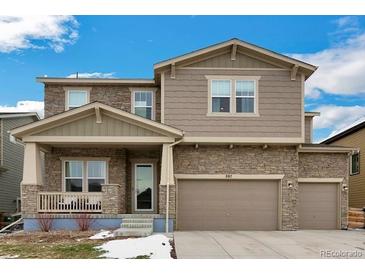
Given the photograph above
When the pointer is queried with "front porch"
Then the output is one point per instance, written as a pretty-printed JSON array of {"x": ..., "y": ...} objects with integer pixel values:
[{"x": 99, "y": 161}]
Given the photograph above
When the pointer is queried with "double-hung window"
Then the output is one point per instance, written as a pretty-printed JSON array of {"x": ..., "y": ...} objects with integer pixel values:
[
  {"x": 233, "y": 95},
  {"x": 76, "y": 98},
  {"x": 143, "y": 104},
  {"x": 84, "y": 176},
  {"x": 245, "y": 96},
  {"x": 221, "y": 95}
]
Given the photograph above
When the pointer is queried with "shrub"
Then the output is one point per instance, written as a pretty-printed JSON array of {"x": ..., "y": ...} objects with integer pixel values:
[
  {"x": 45, "y": 222},
  {"x": 84, "y": 221}
]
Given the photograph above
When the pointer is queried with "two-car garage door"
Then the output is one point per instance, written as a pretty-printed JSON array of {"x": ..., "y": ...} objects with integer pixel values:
[
  {"x": 227, "y": 205},
  {"x": 252, "y": 205}
]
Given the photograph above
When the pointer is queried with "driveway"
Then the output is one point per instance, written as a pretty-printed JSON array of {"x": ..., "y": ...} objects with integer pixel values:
[{"x": 270, "y": 244}]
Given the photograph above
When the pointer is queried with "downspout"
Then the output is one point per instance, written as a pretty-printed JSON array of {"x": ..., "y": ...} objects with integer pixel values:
[{"x": 168, "y": 185}]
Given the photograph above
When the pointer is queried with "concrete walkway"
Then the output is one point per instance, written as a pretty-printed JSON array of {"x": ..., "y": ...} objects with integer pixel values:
[{"x": 270, "y": 244}]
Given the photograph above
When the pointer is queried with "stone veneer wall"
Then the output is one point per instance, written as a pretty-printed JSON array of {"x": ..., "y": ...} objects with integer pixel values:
[
  {"x": 29, "y": 195},
  {"x": 327, "y": 165},
  {"x": 113, "y": 95},
  {"x": 245, "y": 160},
  {"x": 117, "y": 177}
]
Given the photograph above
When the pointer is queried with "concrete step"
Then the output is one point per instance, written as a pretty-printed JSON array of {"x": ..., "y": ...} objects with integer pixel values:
[
  {"x": 133, "y": 232},
  {"x": 137, "y": 220},
  {"x": 136, "y": 225}
]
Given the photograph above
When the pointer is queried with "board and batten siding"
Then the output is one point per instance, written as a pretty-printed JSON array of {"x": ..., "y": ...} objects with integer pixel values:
[
  {"x": 88, "y": 127},
  {"x": 224, "y": 61},
  {"x": 280, "y": 105},
  {"x": 356, "y": 182},
  {"x": 13, "y": 163}
]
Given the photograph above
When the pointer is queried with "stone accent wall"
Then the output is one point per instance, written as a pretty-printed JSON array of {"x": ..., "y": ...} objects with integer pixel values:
[
  {"x": 327, "y": 165},
  {"x": 29, "y": 195},
  {"x": 116, "y": 168},
  {"x": 112, "y": 199},
  {"x": 172, "y": 201},
  {"x": 117, "y": 96},
  {"x": 246, "y": 160}
]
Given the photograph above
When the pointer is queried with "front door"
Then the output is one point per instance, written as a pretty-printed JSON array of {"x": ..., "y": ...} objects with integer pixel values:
[{"x": 144, "y": 187}]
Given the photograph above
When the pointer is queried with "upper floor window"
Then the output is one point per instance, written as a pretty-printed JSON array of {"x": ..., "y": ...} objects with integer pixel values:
[
  {"x": 143, "y": 103},
  {"x": 221, "y": 95},
  {"x": 355, "y": 164},
  {"x": 76, "y": 98},
  {"x": 233, "y": 95}
]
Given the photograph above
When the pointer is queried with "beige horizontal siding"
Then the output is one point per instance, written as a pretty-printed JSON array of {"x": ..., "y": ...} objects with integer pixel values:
[
  {"x": 280, "y": 109},
  {"x": 88, "y": 127},
  {"x": 356, "y": 182}
]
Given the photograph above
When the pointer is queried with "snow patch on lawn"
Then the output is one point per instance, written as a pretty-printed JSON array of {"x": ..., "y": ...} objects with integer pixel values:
[
  {"x": 103, "y": 234},
  {"x": 154, "y": 247}
]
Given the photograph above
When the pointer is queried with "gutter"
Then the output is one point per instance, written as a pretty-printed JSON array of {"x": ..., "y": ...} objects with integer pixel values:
[
  {"x": 168, "y": 186},
  {"x": 327, "y": 149}
]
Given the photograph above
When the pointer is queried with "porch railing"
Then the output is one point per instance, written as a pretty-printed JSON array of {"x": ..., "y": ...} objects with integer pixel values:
[{"x": 53, "y": 202}]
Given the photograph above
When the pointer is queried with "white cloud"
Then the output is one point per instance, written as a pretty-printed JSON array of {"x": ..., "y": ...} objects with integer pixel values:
[
  {"x": 338, "y": 118},
  {"x": 38, "y": 32},
  {"x": 25, "y": 106},
  {"x": 341, "y": 66},
  {"x": 92, "y": 75}
]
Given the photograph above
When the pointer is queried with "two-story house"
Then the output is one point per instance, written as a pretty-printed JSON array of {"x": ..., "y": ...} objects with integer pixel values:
[
  {"x": 217, "y": 140},
  {"x": 11, "y": 160},
  {"x": 354, "y": 136}
]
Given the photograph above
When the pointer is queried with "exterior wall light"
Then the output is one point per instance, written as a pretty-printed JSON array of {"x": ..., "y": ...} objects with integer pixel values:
[
  {"x": 345, "y": 188},
  {"x": 290, "y": 184}
]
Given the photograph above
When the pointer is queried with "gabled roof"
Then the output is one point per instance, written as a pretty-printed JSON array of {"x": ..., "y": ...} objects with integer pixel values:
[
  {"x": 94, "y": 107},
  {"x": 306, "y": 68},
  {"x": 19, "y": 114},
  {"x": 347, "y": 131}
]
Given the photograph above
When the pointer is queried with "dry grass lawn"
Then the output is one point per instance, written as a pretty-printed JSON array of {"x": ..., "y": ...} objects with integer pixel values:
[{"x": 51, "y": 245}]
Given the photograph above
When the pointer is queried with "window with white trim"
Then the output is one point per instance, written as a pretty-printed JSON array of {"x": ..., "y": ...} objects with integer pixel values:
[
  {"x": 355, "y": 163},
  {"x": 76, "y": 98},
  {"x": 221, "y": 95},
  {"x": 233, "y": 95},
  {"x": 245, "y": 96},
  {"x": 143, "y": 104},
  {"x": 77, "y": 180}
]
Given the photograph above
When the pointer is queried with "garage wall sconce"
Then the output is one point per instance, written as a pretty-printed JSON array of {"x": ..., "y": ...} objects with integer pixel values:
[
  {"x": 290, "y": 184},
  {"x": 345, "y": 188}
]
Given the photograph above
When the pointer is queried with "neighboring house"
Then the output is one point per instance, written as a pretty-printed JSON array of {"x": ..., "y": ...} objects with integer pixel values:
[
  {"x": 354, "y": 136},
  {"x": 11, "y": 160},
  {"x": 217, "y": 140}
]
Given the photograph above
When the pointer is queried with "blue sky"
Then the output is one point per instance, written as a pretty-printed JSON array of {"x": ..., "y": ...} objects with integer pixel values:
[{"x": 128, "y": 46}]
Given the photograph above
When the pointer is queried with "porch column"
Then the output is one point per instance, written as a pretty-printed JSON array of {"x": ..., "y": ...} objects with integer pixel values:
[
  {"x": 32, "y": 178},
  {"x": 167, "y": 165},
  {"x": 167, "y": 185}
]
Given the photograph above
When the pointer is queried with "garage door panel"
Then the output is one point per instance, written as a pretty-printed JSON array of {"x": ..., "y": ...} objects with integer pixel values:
[
  {"x": 227, "y": 205},
  {"x": 318, "y": 206}
]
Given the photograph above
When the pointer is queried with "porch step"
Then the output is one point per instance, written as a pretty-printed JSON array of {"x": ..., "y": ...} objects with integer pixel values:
[
  {"x": 133, "y": 232},
  {"x": 137, "y": 220},
  {"x": 137, "y": 227}
]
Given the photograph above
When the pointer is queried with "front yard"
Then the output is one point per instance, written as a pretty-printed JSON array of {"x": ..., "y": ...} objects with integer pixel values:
[{"x": 78, "y": 245}]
